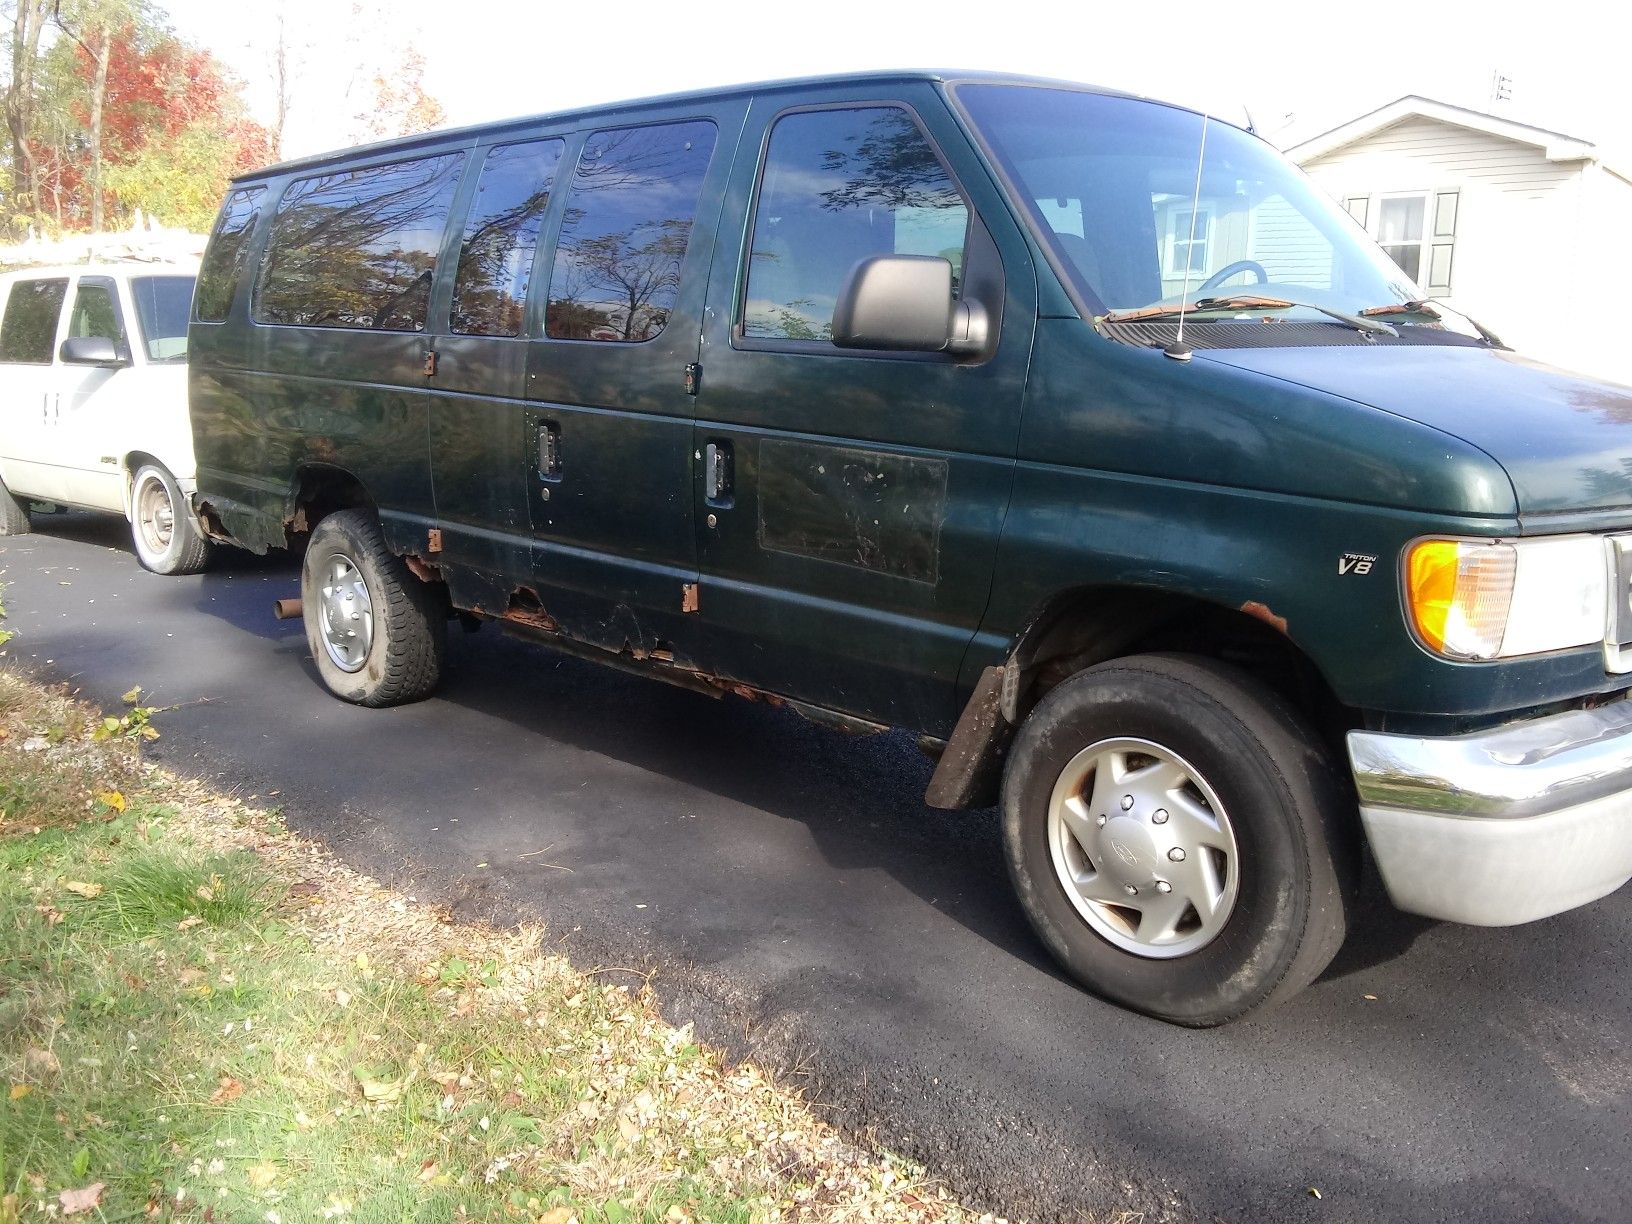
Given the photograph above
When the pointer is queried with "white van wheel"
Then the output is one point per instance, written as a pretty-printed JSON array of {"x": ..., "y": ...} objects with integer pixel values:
[
  {"x": 167, "y": 537},
  {"x": 13, "y": 517}
]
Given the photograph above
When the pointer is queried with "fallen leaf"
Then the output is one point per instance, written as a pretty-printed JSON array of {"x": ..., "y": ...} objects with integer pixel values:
[
  {"x": 19, "y": 1091},
  {"x": 132, "y": 697},
  {"x": 380, "y": 1091},
  {"x": 189, "y": 922},
  {"x": 82, "y": 889},
  {"x": 228, "y": 1090},
  {"x": 558, "y": 1215},
  {"x": 10, "y": 1209},
  {"x": 114, "y": 799},
  {"x": 86, "y": 1198},
  {"x": 628, "y": 1128},
  {"x": 1314, "y": 1192},
  {"x": 263, "y": 1175},
  {"x": 428, "y": 1170}
]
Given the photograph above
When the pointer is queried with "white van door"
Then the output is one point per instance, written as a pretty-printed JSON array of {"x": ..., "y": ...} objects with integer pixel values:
[
  {"x": 94, "y": 405},
  {"x": 28, "y": 347}
]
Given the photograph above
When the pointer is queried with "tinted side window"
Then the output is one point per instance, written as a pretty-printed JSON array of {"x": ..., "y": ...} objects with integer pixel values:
[
  {"x": 96, "y": 312},
  {"x": 358, "y": 248},
  {"x": 501, "y": 235},
  {"x": 839, "y": 186},
  {"x": 28, "y": 330},
  {"x": 228, "y": 250},
  {"x": 629, "y": 215}
]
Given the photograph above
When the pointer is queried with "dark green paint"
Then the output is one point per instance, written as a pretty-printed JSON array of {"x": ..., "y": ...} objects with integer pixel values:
[{"x": 1059, "y": 462}]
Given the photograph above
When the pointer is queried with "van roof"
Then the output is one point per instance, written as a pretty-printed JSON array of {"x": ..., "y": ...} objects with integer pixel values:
[
  {"x": 523, "y": 123},
  {"x": 187, "y": 266}
]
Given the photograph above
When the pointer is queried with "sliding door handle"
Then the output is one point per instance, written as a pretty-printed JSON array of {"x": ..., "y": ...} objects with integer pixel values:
[{"x": 717, "y": 473}]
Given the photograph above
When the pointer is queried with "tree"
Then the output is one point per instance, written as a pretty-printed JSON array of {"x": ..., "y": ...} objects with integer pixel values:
[
  {"x": 395, "y": 103},
  {"x": 28, "y": 23},
  {"x": 118, "y": 113}
]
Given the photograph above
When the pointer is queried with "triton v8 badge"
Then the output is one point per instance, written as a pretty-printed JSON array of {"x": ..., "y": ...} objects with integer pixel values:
[{"x": 1355, "y": 563}]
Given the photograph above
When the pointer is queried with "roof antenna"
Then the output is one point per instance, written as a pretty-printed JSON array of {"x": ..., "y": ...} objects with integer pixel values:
[
  {"x": 1252, "y": 128},
  {"x": 1179, "y": 350}
]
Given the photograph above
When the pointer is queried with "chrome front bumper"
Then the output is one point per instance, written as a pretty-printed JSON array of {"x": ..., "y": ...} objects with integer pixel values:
[{"x": 1503, "y": 826}]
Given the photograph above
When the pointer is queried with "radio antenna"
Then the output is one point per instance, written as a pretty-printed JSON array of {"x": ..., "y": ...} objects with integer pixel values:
[{"x": 1178, "y": 350}]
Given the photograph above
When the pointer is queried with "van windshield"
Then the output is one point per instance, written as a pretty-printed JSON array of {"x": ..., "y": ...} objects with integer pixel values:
[{"x": 1110, "y": 184}]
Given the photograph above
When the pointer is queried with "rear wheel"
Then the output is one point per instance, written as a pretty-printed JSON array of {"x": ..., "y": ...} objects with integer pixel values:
[
  {"x": 376, "y": 632},
  {"x": 162, "y": 527},
  {"x": 13, "y": 514},
  {"x": 1172, "y": 830}
]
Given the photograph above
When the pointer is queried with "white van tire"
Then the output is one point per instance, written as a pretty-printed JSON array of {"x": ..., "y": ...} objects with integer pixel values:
[
  {"x": 376, "y": 632},
  {"x": 13, "y": 515},
  {"x": 162, "y": 526}
]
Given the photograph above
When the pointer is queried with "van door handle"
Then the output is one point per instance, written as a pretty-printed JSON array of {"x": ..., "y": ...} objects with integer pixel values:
[
  {"x": 717, "y": 473},
  {"x": 549, "y": 450}
]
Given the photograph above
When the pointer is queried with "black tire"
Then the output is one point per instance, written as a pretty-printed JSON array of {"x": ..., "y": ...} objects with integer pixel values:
[
  {"x": 162, "y": 527},
  {"x": 13, "y": 514},
  {"x": 402, "y": 661},
  {"x": 1296, "y": 860}
]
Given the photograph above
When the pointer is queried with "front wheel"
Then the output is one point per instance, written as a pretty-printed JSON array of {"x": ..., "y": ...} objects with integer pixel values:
[
  {"x": 13, "y": 514},
  {"x": 376, "y": 632},
  {"x": 163, "y": 529},
  {"x": 1172, "y": 830}
]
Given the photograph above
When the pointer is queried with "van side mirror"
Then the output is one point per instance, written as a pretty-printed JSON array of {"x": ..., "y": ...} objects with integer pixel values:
[
  {"x": 91, "y": 350},
  {"x": 904, "y": 303}
]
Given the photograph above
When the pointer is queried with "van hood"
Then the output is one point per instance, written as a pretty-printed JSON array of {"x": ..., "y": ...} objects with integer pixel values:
[{"x": 1564, "y": 439}]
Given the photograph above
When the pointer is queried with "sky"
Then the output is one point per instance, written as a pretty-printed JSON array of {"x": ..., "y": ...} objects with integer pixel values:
[{"x": 1296, "y": 68}]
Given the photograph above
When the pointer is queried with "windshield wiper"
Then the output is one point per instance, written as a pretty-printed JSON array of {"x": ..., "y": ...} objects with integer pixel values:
[
  {"x": 1249, "y": 302},
  {"x": 1431, "y": 310}
]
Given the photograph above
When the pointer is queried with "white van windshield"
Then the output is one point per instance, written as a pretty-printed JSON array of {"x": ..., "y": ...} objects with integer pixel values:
[{"x": 1110, "y": 183}]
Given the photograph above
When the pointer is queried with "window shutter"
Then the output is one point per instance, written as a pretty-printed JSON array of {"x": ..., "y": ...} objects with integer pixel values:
[
  {"x": 1358, "y": 207},
  {"x": 1440, "y": 241}
]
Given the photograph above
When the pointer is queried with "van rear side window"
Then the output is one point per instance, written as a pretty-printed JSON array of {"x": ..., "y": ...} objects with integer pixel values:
[
  {"x": 358, "y": 248},
  {"x": 628, "y": 221},
  {"x": 29, "y": 328},
  {"x": 224, "y": 258},
  {"x": 501, "y": 235}
]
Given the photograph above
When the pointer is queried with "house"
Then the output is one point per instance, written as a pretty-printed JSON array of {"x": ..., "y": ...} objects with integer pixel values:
[{"x": 1522, "y": 227}]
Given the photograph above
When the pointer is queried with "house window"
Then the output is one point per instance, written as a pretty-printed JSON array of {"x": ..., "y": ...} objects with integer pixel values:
[
  {"x": 1402, "y": 231},
  {"x": 1188, "y": 249}
]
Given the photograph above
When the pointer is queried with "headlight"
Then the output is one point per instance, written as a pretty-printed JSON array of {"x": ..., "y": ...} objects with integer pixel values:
[{"x": 1481, "y": 599}]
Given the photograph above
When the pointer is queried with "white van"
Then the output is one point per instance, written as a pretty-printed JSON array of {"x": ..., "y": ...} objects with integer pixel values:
[{"x": 93, "y": 402}]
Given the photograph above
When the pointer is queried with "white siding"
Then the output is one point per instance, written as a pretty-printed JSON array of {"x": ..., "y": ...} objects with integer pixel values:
[{"x": 1536, "y": 241}]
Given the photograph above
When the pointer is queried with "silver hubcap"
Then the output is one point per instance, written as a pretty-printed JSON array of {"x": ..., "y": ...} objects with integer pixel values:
[
  {"x": 1143, "y": 848},
  {"x": 346, "y": 613},
  {"x": 155, "y": 516}
]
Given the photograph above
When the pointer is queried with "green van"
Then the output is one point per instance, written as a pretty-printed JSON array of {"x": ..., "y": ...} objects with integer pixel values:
[{"x": 1078, "y": 433}]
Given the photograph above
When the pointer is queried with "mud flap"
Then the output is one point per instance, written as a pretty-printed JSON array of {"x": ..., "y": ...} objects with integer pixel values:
[{"x": 970, "y": 772}]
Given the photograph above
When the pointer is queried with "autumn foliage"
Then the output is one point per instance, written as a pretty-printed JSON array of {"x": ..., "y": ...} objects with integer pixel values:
[{"x": 127, "y": 105}]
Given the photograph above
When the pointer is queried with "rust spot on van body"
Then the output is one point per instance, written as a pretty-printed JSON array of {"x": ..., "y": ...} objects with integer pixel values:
[
  {"x": 526, "y": 608},
  {"x": 1264, "y": 613}
]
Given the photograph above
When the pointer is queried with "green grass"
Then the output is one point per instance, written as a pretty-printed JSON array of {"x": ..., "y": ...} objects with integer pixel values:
[{"x": 214, "y": 1021}]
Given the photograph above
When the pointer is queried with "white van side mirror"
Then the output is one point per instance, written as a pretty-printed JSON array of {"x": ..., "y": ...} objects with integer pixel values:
[{"x": 904, "y": 303}]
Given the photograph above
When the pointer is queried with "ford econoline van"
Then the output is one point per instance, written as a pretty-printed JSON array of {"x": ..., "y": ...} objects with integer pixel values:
[
  {"x": 1078, "y": 433},
  {"x": 93, "y": 402}
]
